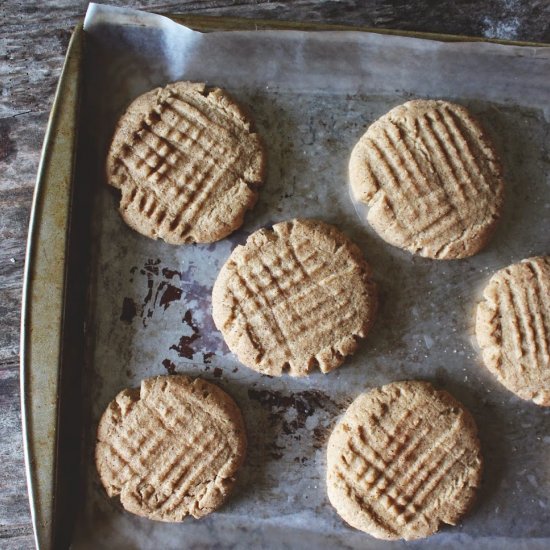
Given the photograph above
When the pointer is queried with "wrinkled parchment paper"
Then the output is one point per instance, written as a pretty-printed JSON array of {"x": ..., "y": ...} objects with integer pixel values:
[{"x": 312, "y": 95}]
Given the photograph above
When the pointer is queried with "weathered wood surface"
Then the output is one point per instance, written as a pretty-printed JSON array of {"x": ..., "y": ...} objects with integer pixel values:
[{"x": 33, "y": 40}]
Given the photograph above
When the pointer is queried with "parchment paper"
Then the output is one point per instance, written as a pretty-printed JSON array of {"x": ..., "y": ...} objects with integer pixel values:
[{"x": 312, "y": 95}]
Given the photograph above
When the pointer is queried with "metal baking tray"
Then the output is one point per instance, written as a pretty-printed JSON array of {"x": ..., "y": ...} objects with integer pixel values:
[{"x": 55, "y": 316}]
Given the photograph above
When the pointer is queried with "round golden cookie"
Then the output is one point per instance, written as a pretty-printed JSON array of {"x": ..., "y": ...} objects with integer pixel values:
[
  {"x": 187, "y": 163},
  {"x": 170, "y": 449},
  {"x": 513, "y": 328},
  {"x": 293, "y": 298},
  {"x": 431, "y": 179},
  {"x": 403, "y": 459}
]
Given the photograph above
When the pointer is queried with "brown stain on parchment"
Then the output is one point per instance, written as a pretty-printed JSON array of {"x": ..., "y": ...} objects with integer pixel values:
[
  {"x": 171, "y": 294},
  {"x": 129, "y": 310},
  {"x": 305, "y": 404},
  {"x": 160, "y": 293},
  {"x": 169, "y": 366},
  {"x": 184, "y": 347},
  {"x": 207, "y": 357},
  {"x": 171, "y": 273},
  {"x": 166, "y": 286}
]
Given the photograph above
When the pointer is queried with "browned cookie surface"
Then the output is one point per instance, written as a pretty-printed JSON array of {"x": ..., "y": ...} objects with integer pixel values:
[
  {"x": 187, "y": 163},
  {"x": 431, "y": 179},
  {"x": 294, "y": 298},
  {"x": 171, "y": 448},
  {"x": 403, "y": 459},
  {"x": 513, "y": 328}
]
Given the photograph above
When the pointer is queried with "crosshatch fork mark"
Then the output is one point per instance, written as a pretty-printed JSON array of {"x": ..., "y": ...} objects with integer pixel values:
[
  {"x": 408, "y": 456},
  {"x": 172, "y": 450},
  {"x": 187, "y": 162},
  {"x": 431, "y": 177},
  {"x": 513, "y": 328},
  {"x": 294, "y": 297}
]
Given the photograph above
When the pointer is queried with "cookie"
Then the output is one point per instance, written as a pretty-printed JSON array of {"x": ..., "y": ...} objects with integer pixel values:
[
  {"x": 171, "y": 448},
  {"x": 403, "y": 459},
  {"x": 187, "y": 163},
  {"x": 431, "y": 178},
  {"x": 294, "y": 298},
  {"x": 513, "y": 328}
]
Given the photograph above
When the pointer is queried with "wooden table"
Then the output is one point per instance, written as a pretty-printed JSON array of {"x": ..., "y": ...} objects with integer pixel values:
[{"x": 33, "y": 40}]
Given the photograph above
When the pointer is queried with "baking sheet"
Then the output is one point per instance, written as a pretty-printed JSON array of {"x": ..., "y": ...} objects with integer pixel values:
[{"x": 312, "y": 95}]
